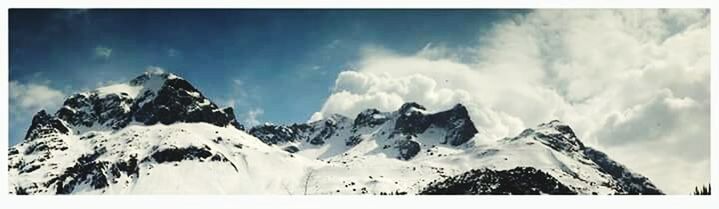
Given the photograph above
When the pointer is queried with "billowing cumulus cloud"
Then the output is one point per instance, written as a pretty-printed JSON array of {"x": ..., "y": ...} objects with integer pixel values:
[{"x": 634, "y": 83}]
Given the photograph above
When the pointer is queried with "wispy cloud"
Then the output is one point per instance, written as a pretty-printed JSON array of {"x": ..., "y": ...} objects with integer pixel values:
[
  {"x": 173, "y": 52},
  {"x": 251, "y": 117},
  {"x": 102, "y": 52},
  {"x": 334, "y": 44}
]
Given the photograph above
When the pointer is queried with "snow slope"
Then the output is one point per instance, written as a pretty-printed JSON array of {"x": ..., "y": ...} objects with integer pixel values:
[
  {"x": 382, "y": 165},
  {"x": 157, "y": 134}
]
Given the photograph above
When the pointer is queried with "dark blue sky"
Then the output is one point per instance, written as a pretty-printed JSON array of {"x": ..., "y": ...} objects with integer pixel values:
[{"x": 286, "y": 60}]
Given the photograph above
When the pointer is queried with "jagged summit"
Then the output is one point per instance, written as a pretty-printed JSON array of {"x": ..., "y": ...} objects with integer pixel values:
[
  {"x": 413, "y": 119},
  {"x": 153, "y": 77},
  {"x": 555, "y": 134},
  {"x": 561, "y": 138},
  {"x": 44, "y": 124},
  {"x": 370, "y": 118},
  {"x": 151, "y": 98},
  {"x": 404, "y": 131},
  {"x": 409, "y": 107}
]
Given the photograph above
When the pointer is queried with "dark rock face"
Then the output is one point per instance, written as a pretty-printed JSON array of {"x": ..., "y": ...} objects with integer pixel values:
[
  {"x": 411, "y": 121},
  {"x": 44, "y": 124},
  {"x": 407, "y": 148},
  {"x": 564, "y": 141},
  {"x": 369, "y": 118},
  {"x": 108, "y": 110},
  {"x": 628, "y": 182},
  {"x": 85, "y": 171},
  {"x": 407, "y": 107},
  {"x": 316, "y": 133},
  {"x": 68, "y": 111},
  {"x": 277, "y": 134},
  {"x": 180, "y": 154},
  {"x": 517, "y": 181},
  {"x": 291, "y": 149},
  {"x": 97, "y": 174},
  {"x": 130, "y": 167},
  {"x": 456, "y": 121},
  {"x": 326, "y": 129},
  {"x": 178, "y": 101},
  {"x": 353, "y": 140},
  {"x": 188, "y": 153},
  {"x": 91, "y": 173},
  {"x": 459, "y": 127}
]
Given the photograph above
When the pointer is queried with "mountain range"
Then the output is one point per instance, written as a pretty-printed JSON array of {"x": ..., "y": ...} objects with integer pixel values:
[{"x": 158, "y": 134}]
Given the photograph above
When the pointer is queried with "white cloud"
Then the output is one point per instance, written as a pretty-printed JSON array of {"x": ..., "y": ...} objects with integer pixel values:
[
  {"x": 614, "y": 75},
  {"x": 334, "y": 43},
  {"x": 155, "y": 70},
  {"x": 252, "y": 115},
  {"x": 33, "y": 96},
  {"x": 173, "y": 52},
  {"x": 237, "y": 82},
  {"x": 237, "y": 95},
  {"x": 241, "y": 98},
  {"x": 103, "y": 52},
  {"x": 26, "y": 99}
]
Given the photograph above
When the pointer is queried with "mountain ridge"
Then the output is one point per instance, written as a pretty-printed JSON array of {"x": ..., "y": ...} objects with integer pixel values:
[{"x": 126, "y": 138}]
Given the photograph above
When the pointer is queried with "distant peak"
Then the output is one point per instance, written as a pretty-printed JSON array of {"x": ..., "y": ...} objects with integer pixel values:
[
  {"x": 553, "y": 123},
  {"x": 557, "y": 125},
  {"x": 369, "y": 111},
  {"x": 558, "y": 135},
  {"x": 460, "y": 109},
  {"x": 409, "y": 106},
  {"x": 459, "y": 106},
  {"x": 336, "y": 117},
  {"x": 154, "y": 70},
  {"x": 370, "y": 117},
  {"x": 153, "y": 73}
]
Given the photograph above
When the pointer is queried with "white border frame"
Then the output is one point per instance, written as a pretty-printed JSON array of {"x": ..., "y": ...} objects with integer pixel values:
[{"x": 349, "y": 201}]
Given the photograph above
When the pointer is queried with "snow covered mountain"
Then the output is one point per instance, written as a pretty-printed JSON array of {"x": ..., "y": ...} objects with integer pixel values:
[{"x": 157, "y": 134}]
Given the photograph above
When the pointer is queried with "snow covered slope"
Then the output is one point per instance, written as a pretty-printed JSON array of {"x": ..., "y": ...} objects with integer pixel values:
[
  {"x": 411, "y": 147},
  {"x": 157, "y": 134}
]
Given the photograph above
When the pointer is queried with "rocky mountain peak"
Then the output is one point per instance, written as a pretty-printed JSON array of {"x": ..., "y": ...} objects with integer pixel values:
[
  {"x": 456, "y": 121},
  {"x": 559, "y": 136},
  {"x": 370, "y": 118},
  {"x": 44, "y": 124},
  {"x": 408, "y": 107},
  {"x": 335, "y": 118},
  {"x": 151, "y": 98},
  {"x": 555, "y": 134},
  {"x": 153, "y": 77},
  {"x": 178, "y": 101}
]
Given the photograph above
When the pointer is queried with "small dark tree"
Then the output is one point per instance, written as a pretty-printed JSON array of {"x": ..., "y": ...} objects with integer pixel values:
[{"x": 705, "y": 190}]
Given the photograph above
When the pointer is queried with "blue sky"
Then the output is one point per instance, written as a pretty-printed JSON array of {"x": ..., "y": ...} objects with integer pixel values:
[{"x": 281, "y": 61}]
